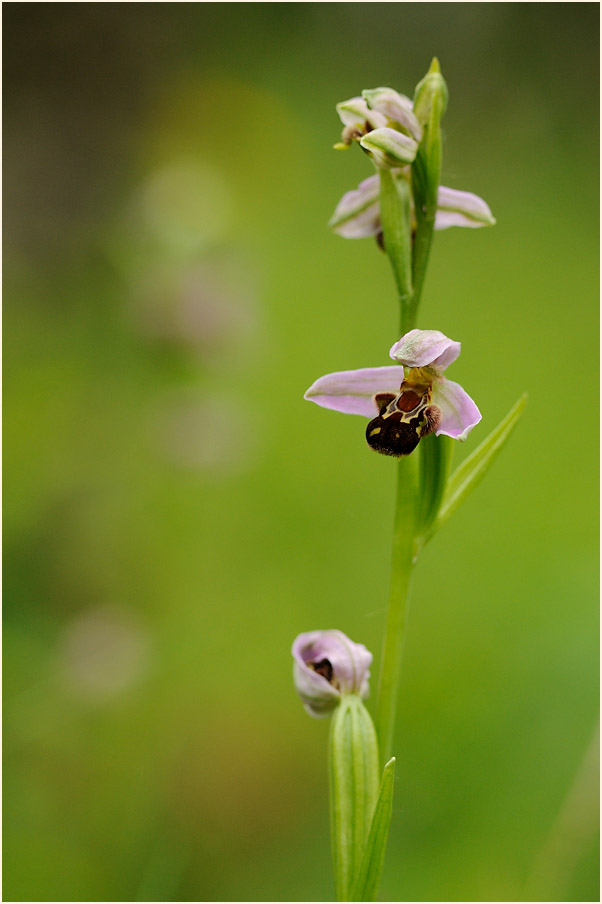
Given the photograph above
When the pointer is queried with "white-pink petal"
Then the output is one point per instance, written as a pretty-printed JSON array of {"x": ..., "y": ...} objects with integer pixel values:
[
  {"x": 422, "y": 348},
  {"x": 459, "y": 414},
  {"x": 461, "y": 208},
  {"x": 361, "y": 225},
  {"x": 353, "y": 391},
  {"x": 355, "y": 112},
  {"x": 357, "y": 215},
  {"x": 396, "y": 107}
]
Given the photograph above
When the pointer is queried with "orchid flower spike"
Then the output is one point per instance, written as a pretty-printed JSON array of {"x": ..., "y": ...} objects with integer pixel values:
[
  {"x": 411, "y": 402},
  {"x": 384, "y": 124},
  {"x": 326, "y": 667},
  {"x": 357, "y": 214}
]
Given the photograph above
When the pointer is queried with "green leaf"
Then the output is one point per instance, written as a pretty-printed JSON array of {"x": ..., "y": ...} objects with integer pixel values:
[
  {"x": 368, "y": 878},
  {"x": 353, "y": 761},
  {"x": 466, "y": 477}
]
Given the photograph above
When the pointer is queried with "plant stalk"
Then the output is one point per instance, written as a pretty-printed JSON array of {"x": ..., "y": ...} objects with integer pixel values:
[
  {"x": 395, "y": 221},
  {"x": 401, "y": 580}
]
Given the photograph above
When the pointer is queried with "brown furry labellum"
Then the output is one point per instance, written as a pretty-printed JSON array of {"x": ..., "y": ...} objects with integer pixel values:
[{"x": 402, "y": 421}]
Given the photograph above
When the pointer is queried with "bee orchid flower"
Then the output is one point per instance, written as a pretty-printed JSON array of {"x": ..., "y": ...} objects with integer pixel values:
[
  {"x": 326, "y": 667},
  {"x": 404, "y": 404}
]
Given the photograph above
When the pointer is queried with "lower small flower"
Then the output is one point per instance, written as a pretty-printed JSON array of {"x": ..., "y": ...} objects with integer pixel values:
[
  {"x": 411, "y": 402},
  {"x": 327, "y": 665}
]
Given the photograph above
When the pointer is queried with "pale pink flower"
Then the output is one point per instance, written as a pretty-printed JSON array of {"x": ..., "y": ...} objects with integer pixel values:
[
  {"x": 326, "y": 666},
  {"x": 407, "y": 400}
]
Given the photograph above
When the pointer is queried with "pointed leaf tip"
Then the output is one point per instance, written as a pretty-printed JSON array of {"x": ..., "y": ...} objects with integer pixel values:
[
  {"x": 435, "y": 67},
  {"x": 472, "y": 470},
  {"x": 368, "y": 876}
]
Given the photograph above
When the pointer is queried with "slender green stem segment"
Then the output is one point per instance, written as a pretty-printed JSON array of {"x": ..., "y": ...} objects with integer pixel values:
[
  {"x": 426, "y": 210},
  {"x": 395, "y": 221},
  {"x": 430, "y": 101},
  {"x": 406, "y": 512}
]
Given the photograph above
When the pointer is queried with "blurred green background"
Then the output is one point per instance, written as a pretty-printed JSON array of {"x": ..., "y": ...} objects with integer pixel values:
[{"x": 175, "y": 513}]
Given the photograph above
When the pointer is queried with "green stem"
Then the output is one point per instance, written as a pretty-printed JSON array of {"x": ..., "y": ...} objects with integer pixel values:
[
  {"x": 426, "y": 176},
  {"x": 422, "y": 249},
  {"x": 401, "y": 579},
  {"x": 425, "y": 205},
  {"x": 395, "y": 221}
]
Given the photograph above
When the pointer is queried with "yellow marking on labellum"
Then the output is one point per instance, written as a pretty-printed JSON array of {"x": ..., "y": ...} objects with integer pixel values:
[{"x": 375, "y": 431}]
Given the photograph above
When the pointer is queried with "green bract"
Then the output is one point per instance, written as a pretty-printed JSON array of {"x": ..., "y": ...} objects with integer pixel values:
[
  {"x": 353, "y": 788},
  {"x": 368, "y": 877}
]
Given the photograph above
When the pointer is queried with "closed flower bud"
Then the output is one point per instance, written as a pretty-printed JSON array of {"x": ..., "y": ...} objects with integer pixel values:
[
  {"x": 328, "y": 666},
  {"x": 430, "y": 89}
]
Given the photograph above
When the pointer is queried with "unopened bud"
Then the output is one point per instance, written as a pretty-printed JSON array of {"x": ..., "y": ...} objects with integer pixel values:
[
  {"x": 328, "y": 666},
  {"x": 431, "y": 90}
]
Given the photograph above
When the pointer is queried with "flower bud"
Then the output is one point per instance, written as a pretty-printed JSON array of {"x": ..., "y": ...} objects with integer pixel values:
[
  {"x": 396, "y": 107},
  {"x": 326, "y": 667},
  {"x": 429, "y": 90},
  {"x": 389, "y": 148}
]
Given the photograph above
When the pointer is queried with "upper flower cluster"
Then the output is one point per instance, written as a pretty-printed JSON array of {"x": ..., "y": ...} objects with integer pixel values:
[
  {"x": 389, "y": 127},
  {"x": 384, "y": 124}
]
